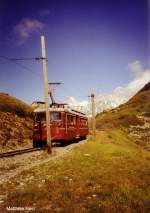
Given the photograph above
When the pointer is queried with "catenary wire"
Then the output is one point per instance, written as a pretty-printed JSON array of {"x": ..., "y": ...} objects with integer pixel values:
[{"x": 20, "y": 65}]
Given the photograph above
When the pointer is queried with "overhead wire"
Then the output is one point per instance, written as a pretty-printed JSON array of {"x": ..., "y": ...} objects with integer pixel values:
[
  {"x": 13, "y": 60},
  {"x": 23, "y": 59}
]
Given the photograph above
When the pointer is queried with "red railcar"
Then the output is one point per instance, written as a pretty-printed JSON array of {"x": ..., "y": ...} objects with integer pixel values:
[{"x": 66, "y": 125}]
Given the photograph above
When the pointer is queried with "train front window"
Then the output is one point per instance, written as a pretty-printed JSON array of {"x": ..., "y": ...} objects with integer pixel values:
[
  {"x": 55, "y": 116},
  {"x": 40, "y": 117}
]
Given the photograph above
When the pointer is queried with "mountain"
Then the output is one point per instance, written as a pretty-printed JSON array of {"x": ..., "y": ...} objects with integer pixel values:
[
  {"x": 118, "y": 96},
  {"x": 145, "y": 88},
  {"x": 15, "y": 123},
  {"x": 103, "y": 102},
  {"x": 133, "y": 116},
  {"x": 110, "y": 101}
]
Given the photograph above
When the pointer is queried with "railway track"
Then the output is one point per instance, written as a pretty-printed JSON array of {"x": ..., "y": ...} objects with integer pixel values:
[{"x": 18, "y": 152}]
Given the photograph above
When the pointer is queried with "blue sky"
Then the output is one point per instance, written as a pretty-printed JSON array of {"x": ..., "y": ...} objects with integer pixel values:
[{"x": 89, "y": 45}]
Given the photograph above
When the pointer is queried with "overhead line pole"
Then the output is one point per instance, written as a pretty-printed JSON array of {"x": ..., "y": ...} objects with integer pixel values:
[
  {"x": 93, "y": 113},
  {"x": 48, "y": 128}
]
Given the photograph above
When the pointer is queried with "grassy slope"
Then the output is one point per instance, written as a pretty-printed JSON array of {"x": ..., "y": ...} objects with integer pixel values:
[
  {"x": 107, "y": 174},
  {"x": 14, "y": 105},
  {"x": 126, "y": 114},
  {"x": 133, "y": 117},
  {"x": 15, "y": 122}
]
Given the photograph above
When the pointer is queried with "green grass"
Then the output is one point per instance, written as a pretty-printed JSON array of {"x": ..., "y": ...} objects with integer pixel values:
[{"x": 109, "y": 173}]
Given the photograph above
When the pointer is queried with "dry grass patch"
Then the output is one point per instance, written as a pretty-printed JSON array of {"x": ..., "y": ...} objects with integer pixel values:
[{"x": 14, "y": 105}]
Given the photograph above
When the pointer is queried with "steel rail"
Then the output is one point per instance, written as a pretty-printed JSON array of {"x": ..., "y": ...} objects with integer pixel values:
[{"x": 18, "y": 152}]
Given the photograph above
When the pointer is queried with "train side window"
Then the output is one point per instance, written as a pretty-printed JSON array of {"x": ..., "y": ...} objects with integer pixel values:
[
  {"x": 81, "y": 122},
  {"x": 86, "y": 123},
  {"x": 55, "y": 116},
  {"x": 71, "y": 120},
  {"x": 68, "y": 119},
  {"x": 74, "y": 121}
]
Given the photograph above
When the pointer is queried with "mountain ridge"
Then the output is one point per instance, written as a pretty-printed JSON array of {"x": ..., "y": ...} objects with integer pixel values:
[
  {"x": 145, "y": 88},
  {"x": 132, "y": 116}
]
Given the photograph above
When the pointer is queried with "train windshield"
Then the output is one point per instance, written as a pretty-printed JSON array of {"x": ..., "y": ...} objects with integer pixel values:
[
  {"x": 40, "y": 117},
  {"x": 55, "y": 116}
]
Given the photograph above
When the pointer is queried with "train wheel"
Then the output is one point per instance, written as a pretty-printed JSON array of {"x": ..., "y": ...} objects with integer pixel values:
[
  {"x": 37, "y": 144},
  {"x": 63, "y": 143},
  {"x": 83, "y": 137}
]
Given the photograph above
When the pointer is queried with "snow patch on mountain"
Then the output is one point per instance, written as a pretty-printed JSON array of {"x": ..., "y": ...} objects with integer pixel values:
[{"x": 119, "y": 95}]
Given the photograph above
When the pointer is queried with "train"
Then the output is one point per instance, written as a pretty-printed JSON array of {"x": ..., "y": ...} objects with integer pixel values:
[{"x": 66, "y": 124}]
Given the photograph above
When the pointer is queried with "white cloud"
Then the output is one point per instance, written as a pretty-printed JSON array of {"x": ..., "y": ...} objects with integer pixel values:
[
  {"x": 136, "y": 69},
  {"x": 25, "y": 28},
  {"x": 120, "y": 94}
]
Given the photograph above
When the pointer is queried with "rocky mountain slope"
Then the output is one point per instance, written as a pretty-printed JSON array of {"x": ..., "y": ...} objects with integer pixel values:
[
  {"x": 16, "y": 124},
  {"x": 133, "y": 117}
]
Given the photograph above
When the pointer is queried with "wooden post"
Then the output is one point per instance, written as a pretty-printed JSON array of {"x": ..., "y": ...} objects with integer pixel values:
[
  {"x": 93, "y": 113},
  {"x": 48, "y": 128}
]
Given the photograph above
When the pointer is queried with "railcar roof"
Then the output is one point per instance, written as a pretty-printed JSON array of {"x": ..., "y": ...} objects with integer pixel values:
[{"x": 69, "y": 110}]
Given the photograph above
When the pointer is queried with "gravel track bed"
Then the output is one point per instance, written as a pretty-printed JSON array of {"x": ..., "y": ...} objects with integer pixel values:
[{"x": 12, "y": 166}]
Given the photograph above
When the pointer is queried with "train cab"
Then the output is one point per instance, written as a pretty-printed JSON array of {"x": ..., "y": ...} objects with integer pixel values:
[{"x": 66, "y": 125}]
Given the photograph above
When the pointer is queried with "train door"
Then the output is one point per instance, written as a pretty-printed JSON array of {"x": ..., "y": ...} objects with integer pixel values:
[
  {"x": 70, "y": 127},
  {"x": 77, "y": 126}
]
